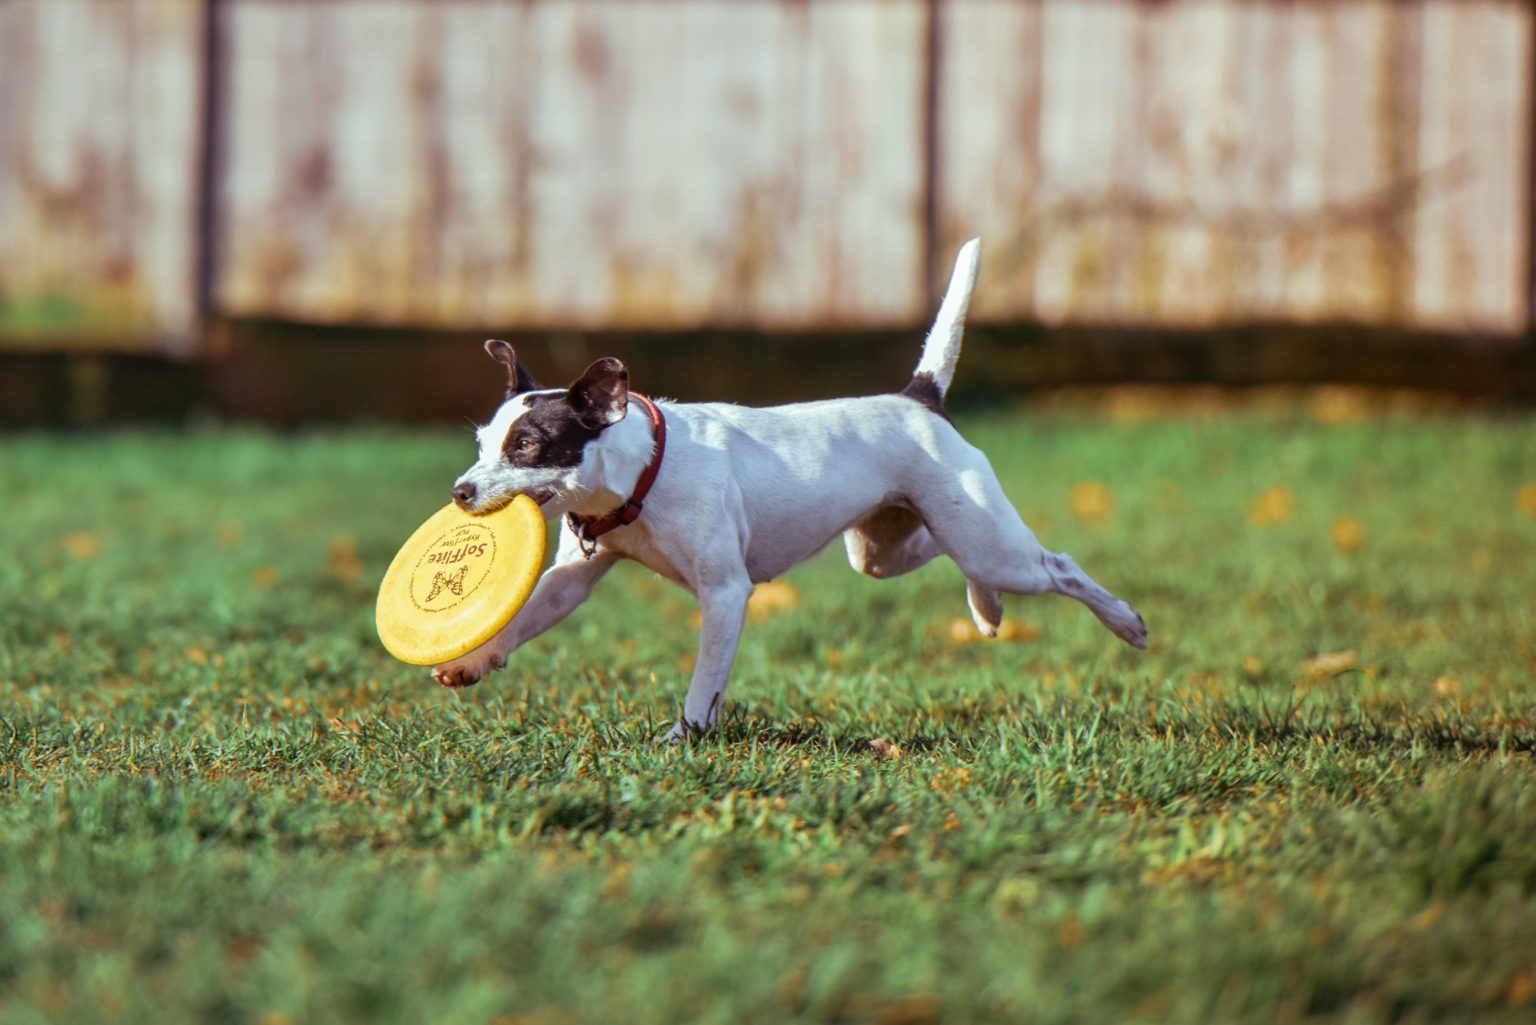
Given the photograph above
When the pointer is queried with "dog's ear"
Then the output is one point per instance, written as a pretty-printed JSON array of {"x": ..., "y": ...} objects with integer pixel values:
[
  {"x": 600, "y": 396},
  {"x": 518, "y": 379}
]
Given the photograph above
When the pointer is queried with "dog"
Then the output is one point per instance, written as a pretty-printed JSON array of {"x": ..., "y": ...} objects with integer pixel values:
[{"x": 718, "y": 498}]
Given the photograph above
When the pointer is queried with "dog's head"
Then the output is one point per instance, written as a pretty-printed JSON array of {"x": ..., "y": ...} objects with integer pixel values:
[{"x": 539, "y": 439}]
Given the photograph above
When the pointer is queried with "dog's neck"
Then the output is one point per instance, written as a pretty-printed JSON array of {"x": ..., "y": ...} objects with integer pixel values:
[{"x": 615, "y": 461}]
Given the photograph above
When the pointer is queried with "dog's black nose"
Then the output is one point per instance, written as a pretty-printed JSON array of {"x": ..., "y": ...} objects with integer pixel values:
[{"x": 464, "y": 494}]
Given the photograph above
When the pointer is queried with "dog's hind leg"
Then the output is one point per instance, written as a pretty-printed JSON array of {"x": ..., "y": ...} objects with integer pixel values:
[
  {"x": 894, "y": 540},
  {"x": 976, "y": 526}
]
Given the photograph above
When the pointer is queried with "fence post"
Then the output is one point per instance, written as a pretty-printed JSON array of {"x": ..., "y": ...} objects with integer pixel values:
[
  {"x": 932, "y": 232},
  {"x": 209, "y": 168}
]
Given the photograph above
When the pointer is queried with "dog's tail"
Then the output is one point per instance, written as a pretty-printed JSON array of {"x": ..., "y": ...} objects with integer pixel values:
[{"x": 941, "y": 351}]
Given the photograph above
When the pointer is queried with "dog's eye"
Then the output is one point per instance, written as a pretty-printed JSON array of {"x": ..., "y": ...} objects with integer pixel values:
[{"x": 527, "y": 444}]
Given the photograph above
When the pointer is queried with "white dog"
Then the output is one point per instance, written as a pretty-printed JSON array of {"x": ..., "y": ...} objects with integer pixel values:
[{"x": 742, "y": 495}]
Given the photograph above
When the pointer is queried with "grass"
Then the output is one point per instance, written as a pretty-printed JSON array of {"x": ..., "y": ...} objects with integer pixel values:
[{"x": 224, "y": 802}]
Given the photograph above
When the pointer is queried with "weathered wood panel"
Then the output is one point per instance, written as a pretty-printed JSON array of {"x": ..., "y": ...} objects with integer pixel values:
[
  {"x": 682, "y": 163},
  {"x": 621, "y": 164},
  {"x": 1471, "y": 235},
  {"x": 100, "y": 128},
  {"x": 1200, "y": 162}
]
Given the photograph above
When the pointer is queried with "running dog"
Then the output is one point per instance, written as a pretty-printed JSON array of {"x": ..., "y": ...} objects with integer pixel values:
[{"x": 718, "y": 498}]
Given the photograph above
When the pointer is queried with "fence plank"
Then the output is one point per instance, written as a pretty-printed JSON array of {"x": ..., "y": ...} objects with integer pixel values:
[
  {"x": 617, "y": 164},
  {"x": 1471, "y": 232},
  {"x": 1198, "y": 162},
  {"x": 99, "y": 146}
]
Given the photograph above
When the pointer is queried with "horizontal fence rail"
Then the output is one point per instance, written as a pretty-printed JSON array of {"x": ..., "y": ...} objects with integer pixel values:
[{"x": 671, "y": 165}]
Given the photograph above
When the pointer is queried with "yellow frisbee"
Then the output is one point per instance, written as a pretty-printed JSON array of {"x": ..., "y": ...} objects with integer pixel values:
[{"x": 458, "y": 579}]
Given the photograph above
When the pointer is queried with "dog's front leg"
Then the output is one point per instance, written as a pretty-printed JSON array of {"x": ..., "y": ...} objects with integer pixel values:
[
  {"x": 724, "y": 608},
  {"x": 563, "y": 586}
]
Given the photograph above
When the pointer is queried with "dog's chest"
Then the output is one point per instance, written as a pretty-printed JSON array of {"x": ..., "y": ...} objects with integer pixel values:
[{"x": 638, "y": 545}]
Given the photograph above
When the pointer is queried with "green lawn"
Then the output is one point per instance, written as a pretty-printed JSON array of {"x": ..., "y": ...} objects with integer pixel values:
[{"x": 224, "y": 802}]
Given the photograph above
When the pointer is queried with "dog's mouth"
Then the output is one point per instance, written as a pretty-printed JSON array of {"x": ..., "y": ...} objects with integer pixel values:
[{"x": 541, "y": 495}]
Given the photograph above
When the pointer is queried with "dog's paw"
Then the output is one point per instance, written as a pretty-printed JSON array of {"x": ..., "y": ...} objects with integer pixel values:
[
  {"x": 682, "y": 732},
  {"x": 1133, "y": 630},
  {"x": 469, "y": 670}
]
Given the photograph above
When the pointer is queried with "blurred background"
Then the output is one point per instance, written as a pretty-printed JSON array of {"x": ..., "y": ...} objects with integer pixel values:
[{"x": 316, "y": 211}]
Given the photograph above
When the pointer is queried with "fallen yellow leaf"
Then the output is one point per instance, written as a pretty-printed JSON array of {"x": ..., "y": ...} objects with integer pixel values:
[
  {"x": 343, "y": 560},
  {"x": 1092, "y": 502},
  {"x": 1447, "y": 687},
  {"x": 82, "y": 544},
  {"x": 963, "y": 631},
  {"x": 1273, "y": 506},
  {"x": 264, "y": 577},
  {"x": 1252, "y": 665},
  {"x": 771, "y": 597},
  {"x": 1527, "y": 499},
  {"x": 1329, "y": 664},
  {"x": 1522, "y": 989},
  {"x": 1348, "y": 533},
  {"x": 347, "y": 570},
  {"x": 1070, "y": 933}
]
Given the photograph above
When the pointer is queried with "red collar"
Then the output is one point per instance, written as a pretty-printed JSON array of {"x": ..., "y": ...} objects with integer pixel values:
[{"x": 589, "y": 528}]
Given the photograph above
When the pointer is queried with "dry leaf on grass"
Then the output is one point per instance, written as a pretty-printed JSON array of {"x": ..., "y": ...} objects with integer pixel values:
[
  {"x": 1273, "y": 506},
  {"x": 1348, "y": 533},
  {"x": 82, "y": 544},
  {"x": 964, "y": 631},
  {"x": 343, "y": 560},
  {"x": 1447, "y": 687},
  {"x": 1092, "y": 503},
  {"x": 771, "y": 597},
  {"x": 1329, "y": 664}
]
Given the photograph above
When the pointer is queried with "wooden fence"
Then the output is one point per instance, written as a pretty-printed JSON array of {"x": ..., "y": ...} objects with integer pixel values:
[{"x": 677, "y": 164}]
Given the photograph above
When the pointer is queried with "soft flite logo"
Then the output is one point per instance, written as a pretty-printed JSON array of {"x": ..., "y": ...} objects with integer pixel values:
[
  {"x": 453, "y": 567},
  {"x": 454, "y": 583}
]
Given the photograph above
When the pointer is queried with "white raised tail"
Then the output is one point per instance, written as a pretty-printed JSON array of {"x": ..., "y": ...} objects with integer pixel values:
[{"x": 941, "y": 350}]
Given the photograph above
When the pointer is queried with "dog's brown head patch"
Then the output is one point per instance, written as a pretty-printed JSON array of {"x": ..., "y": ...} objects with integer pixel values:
[{"x": 555, "y": 430}]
